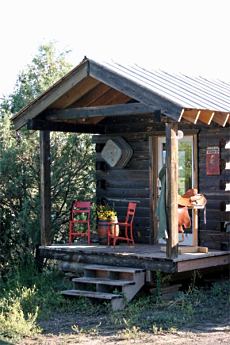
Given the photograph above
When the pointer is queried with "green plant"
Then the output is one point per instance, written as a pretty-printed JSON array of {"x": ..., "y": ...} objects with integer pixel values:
[
  {"x": 188, "y": 307},
  {"x": 29, "y": 296},
  {"x": 158, "y": 285},
  {"x": 16, "y": 321},
  {"x": 19, "y": 167},
  {"x": 130, "y": 332},
  {"x": 196, "y": 276},
  {"x": 91, "y": 330}
]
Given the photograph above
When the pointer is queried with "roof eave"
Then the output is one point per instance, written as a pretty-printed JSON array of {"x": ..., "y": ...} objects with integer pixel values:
[{"x": 62, "y": 86}]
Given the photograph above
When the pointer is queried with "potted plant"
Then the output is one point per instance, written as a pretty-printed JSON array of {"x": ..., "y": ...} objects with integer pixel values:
[{"x": 105, "y": 215}]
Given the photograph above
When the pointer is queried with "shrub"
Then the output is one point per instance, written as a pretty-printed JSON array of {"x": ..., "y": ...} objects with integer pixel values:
[{"x": 14, "y": 321}]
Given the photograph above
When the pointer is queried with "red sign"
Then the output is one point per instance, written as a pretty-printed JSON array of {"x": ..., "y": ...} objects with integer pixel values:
[{"x": 213, "y": 160}]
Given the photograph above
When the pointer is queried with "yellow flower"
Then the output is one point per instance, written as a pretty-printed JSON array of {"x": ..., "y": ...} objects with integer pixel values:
[{"x": 105, "y": 212}]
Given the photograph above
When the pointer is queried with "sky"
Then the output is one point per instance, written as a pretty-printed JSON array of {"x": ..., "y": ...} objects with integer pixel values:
[{"x": 188, "y": 36}]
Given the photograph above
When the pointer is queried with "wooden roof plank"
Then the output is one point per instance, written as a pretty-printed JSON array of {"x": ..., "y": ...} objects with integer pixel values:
[
  {"x": 76, "y": 93},
  {"x": 90, "y": 97},
  {"x": 111, "y": 97}
]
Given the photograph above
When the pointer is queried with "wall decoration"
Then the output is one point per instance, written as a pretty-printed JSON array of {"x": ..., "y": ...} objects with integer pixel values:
[
  {"x": 213, "y": 160},
  {"x": 117, "y": 152}
]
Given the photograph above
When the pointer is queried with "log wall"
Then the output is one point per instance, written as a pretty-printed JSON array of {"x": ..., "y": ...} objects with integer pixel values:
[
  {"x": 131, "y": 183},
  {"x": 213, "y": 233}
]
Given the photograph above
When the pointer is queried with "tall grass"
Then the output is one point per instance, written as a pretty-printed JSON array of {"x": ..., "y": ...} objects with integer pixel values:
[{"x": 25, "y": 297}]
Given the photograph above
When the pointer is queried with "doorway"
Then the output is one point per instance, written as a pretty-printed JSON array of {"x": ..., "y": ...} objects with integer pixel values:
[{"x": 187, "y": 174}]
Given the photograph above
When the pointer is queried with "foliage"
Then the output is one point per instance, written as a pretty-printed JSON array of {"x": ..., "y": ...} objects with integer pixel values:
[
  {"x": 72, "y": 167},
  {"x": 14, "y": 323},
  {"x": 29, "y": 296},
  {"x": 105, "y": 212},
  {"x": 185, "y": 167}
]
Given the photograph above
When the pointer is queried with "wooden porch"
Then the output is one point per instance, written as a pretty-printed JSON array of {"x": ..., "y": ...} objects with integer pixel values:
[{"x": 148, "y": 257}]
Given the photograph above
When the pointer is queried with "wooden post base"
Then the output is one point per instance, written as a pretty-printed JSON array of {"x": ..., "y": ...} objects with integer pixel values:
[{"x": 189, "y": 249}]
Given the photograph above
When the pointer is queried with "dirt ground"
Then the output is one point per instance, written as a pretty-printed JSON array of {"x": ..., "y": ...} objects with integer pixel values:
[
  {"x": 204, "y": 334},
  {"x": 214, "y": 337},
  {"x": 200, "y": 317}
]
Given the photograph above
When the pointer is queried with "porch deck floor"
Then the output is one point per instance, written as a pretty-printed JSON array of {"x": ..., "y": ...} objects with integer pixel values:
[{"x": 140, "y": 255}]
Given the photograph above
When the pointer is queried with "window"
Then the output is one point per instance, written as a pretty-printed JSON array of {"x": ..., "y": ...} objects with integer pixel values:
[{"x": 185, "y": 173}]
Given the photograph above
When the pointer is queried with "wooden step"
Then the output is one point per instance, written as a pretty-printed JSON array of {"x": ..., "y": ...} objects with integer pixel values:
[
  {"x": 106, "y": 281},
  {"x": 113, "y": 268},
  {"x": 116, "y": 300},
  {"x": 91, "y": 294}
]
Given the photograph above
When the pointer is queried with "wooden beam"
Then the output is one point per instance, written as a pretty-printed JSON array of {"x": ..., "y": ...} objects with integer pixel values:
[
  {"x": 206, "y": 116},
  {"x": 132, "y": 128},
  {"x": 133, "y": 90},
  {"x": 221, "y": 118},
  {"x": 65, "y": 127},
  {"x": 172, "y": 189},
  {"x": 53, "y": 94},
  {"x": 45, "y": 188},
  {"x": 73, "y": 254},
  {"x": 191, "y": 115},
  {"x": 205, "y": 262},
  {"x": 105, "y": 111},
  {"x": 181, "y": 115}
]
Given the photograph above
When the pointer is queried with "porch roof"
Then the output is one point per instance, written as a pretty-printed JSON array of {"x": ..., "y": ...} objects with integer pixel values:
[{"x": 91, "y": 91}]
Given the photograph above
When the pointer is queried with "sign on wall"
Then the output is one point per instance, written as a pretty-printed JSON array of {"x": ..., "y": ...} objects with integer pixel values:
[{"x": 213, "y": 160}]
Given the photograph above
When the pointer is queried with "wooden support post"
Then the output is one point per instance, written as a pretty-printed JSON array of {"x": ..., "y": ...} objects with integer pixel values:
[
  {"x": 45, "y": 188},
  {"x": 195, "y": 227},
  {"x": 153, "y": 149},
  {"x": 172, "y": 189}
]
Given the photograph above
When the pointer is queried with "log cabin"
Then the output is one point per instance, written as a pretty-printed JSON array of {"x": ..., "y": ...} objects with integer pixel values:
[{"x": 161, "y": 118}]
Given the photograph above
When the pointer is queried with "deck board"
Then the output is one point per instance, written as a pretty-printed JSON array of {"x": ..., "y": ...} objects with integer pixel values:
[{"x": 148, "y": 257}]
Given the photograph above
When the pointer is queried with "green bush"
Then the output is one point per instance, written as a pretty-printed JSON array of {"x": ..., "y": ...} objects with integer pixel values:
[
  {"x": 72, "y": 167},
  {"x": 14, "y": 321},
  {"x": 29, "y": 296}
]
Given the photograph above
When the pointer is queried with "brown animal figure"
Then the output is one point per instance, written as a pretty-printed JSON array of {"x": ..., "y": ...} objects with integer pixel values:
[{"x": 184, "y": 220}]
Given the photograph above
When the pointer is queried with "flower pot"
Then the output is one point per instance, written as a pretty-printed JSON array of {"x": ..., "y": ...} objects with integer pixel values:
[{"x": 102, "y": 229}]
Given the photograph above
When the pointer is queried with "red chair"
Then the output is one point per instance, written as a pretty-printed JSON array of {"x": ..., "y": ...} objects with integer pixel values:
[
  {"x": 79, "y": 225},
  {"x": 127, "y": 225}
]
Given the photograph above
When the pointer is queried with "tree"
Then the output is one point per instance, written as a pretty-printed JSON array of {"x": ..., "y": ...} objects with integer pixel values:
[
  {"x": 19, "y": 165},
  {"x": 45, "y": 69}
]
